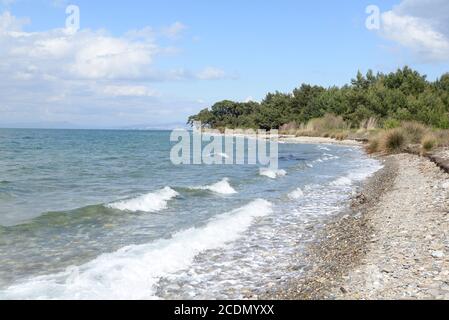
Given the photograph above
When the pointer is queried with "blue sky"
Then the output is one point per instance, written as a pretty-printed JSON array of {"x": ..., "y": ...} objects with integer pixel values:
[{"x": 156, "y": 62}]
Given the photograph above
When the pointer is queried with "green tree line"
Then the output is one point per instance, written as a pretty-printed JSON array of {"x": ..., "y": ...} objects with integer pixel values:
[{"x": 404, "y": 95}]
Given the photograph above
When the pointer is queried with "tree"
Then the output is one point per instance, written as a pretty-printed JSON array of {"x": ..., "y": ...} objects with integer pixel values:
[{"x": 401, "y": 95}]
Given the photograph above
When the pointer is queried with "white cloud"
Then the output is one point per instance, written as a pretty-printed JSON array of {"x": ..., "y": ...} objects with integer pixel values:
[
  {"x": 107, "y": 57},
  {"x": 83, "y": 55},
  {"x": 420, "y": 25},
  {"x": 89, "y": 77},
  {"x": 7, "y": 2},
  {"x": 211, "y": 73},
  {"x": 128, "y": 91},
  {"x": 174, "y": 30},
  {"x": 9, "y": 23}
]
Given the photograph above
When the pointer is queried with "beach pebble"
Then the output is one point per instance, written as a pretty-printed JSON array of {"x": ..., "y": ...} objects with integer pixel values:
[{"x": 438, "y": 254}]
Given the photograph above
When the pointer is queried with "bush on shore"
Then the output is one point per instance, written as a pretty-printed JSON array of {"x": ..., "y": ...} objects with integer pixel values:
[
  {"x": 373, "y": 146},
  {"x": 408, "y": 137},
  {"x": 414, "y": 131},
  {"x": 393, "y": 141},
  {"x": 428, "y": 143}
]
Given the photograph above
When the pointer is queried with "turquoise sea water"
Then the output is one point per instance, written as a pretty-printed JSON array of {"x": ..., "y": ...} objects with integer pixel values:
[{"x": 104, "y": 214}]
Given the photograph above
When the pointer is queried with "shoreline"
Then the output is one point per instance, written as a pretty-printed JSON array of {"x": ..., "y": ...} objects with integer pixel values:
[
  {"x": 319, "y": 140},
  {"x": 393, "y": 243},
  {"x": 291, "y": 139}
]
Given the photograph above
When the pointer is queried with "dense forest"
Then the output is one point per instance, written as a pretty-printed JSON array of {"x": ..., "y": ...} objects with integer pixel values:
[{"x": 404, "y": 95}]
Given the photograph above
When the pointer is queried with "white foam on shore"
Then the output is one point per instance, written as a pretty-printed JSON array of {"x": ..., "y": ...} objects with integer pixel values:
[
  {"x": 151, "y": 202},
  {"x": 221, "y": 187},
  {"x": 134, "y": 271},
  {"x": 342, "y": 181},
  {"x": 272, "y": 173},
  {"x": 297, "y": 194},
  {"x": 358, "y": 174}
]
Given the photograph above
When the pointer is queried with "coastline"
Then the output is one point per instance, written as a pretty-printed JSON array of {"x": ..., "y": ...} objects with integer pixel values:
[
  {"x": 290, "y": 138},
  {"x": 319, "y": 140},
  {"x": 393, "y": 243}
]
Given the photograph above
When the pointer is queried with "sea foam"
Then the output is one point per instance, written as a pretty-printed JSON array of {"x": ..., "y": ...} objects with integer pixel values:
[
  {"x": 134, "y": 271},
  {"x": 358, "y": 175},
  {"x": 151, "y": 202},
  {"x": 221, "y": 187},
  {"x": 272, "y": 173},
  {"x": 342, "y": 181},
  {"x": 297, "y": 194}
]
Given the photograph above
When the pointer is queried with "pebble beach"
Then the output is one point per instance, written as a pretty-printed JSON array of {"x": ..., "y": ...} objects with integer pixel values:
[{"x": 393, "y": 243}]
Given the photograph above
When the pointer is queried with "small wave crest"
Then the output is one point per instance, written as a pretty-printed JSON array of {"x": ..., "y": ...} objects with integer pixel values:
[
  {"x": 297, "y": 194},
  {"x": 342, "y": 181},
  {"x": 151, "y": 202},
  {"x": 272, "y": 173},
  {"x": 320, "y": 147},
  {"x": 221, "y": 187}
]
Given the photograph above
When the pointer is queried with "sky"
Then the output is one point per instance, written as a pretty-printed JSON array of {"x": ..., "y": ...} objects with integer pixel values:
[{"x": 153, "y": 63}]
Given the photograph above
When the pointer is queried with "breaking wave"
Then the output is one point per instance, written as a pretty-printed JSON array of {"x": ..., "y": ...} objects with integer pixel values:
[
  {"x": 221, "y": 187},
  {"x": 272, "y": 173},
  {"x": 134, "y": 271},
  {"x": 151, "y": 202}
]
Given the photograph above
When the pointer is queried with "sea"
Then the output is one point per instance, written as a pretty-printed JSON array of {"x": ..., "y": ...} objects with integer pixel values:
[{"x": 105, "y": 214}]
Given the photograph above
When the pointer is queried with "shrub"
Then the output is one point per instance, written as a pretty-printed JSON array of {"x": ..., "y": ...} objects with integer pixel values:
[
  {"x": 393, "y": 140},
  {"x": 340, "y": 136},
  {"x": 373, "y": 146},
  {"x": 289, "y": 128},
  {"x": 429, "y": 142},
  {"x": 327, "y": 123},
  {"x": 414, "y": 131},
  {"x": 369, "y": 124},
  {"x": 391, "y": 124},
  {"x": 443, "y": 138}
]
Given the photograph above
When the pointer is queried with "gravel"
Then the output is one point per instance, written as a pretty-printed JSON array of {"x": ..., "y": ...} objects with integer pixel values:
[{"x": 392, "y": 244}]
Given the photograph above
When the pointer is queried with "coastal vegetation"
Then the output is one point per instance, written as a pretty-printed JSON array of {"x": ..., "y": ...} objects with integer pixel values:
[{"x": 391, "y": 112}]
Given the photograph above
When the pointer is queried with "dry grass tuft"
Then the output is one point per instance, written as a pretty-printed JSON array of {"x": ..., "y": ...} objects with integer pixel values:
[
  {"x": 373, "y": 146},
  {"x": 393, "y": 141},
  {"x": 369, "y": 124},
  {"x": 429, "y": 142},
  {"x": 289, "y": 128},
  {"x": 328, "y": 126},
  {"x": 340, "y": 136},
  {"x": 443, "y": 138},
  {"x": 414, "y": 132}
]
